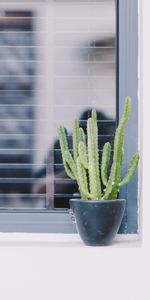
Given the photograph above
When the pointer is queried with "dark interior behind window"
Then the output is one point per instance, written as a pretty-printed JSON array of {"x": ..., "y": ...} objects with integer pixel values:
[{"x": 55, "y": 65}]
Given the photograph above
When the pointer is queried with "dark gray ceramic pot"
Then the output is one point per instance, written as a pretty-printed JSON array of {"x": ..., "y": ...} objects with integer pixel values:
[{"x": 97, "y": 221}]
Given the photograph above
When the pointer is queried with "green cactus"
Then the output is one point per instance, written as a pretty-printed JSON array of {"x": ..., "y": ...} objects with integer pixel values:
[{"x": 83, "y": 165}]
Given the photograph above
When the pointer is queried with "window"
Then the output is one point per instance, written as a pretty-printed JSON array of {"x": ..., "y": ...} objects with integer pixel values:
[{"x": 58, "y": 59}]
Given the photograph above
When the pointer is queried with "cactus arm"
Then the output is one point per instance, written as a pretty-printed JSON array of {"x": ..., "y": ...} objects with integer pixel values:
[
  {"x": 93, "y": 159},
  {"x": 131, "y": 170},
  {"x": 114, "y": 192},
  {"x": 62, "y": 139},
  {"x": 64, "y": 147},
  {"x": 70, "y": 161},
  {"x": 105, "y": 162},
  {"x": 119, "y": 136},
  {"x": 118, "y": 145},
  {"x": 68, "y": 170},
  {"x": 118, "y": 160},
  {"x": 83, "y": 154},
  {"x": 82, "y": 135},
  {"x": 76, "y": 138},
  {"x": 94, "y": 116},
  {"x": 122, "y": 156},
  {"x": 126, "y": 110},
  {"x": 82, "y": 180},
  {"x": 110, "y": 183}
]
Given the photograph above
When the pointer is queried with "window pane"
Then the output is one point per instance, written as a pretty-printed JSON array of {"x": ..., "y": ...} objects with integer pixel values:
[{"x": 57, "y": 62}]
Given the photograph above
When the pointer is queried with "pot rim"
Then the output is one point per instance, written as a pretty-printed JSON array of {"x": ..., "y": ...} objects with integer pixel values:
[{"x": 96, "y": 201}]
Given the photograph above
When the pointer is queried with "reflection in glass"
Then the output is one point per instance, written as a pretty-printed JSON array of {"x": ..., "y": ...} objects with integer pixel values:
[{"x": 57, "y": 61}]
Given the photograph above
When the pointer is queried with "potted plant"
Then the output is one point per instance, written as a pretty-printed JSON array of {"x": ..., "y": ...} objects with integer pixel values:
[{"x": 98, "y": 213}]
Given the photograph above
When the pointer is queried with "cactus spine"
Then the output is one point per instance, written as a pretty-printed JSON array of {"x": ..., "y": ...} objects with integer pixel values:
[{"x": 83, "y": 166}]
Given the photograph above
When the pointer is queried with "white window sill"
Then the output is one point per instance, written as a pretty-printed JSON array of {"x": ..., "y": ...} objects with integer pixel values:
[
  {"x": 60, "y": 266},
  {"x": 61, "y": 240}
]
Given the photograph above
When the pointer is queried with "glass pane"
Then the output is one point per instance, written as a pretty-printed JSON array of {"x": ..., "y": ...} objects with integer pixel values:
[{"x": 57, "y": 62}]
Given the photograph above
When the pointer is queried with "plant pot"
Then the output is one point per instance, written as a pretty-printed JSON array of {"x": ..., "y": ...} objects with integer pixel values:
[{"x": 97, "y": 221}]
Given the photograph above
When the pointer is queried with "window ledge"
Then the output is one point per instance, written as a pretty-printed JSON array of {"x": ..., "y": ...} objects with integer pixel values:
[{"x": 61, "y": 240}]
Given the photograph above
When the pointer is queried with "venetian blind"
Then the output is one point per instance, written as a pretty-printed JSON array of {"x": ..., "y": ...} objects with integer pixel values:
[{"x": 57, "y": 62}]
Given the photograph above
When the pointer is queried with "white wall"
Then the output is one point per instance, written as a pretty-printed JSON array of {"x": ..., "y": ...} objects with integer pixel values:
[{"x": 69, "y": 273}]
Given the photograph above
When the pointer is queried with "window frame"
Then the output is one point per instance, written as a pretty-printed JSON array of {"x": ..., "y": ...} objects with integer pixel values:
[
  {"x": 59, "y": 220},
  {"x": 127, "y": 83}
]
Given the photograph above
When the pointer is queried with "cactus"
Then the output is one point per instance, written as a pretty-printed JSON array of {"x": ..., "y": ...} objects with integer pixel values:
[{"x": 83, "y": 165}]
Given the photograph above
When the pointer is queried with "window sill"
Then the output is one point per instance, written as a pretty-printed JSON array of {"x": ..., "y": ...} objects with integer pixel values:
[{"x": 61, "y": 240}]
